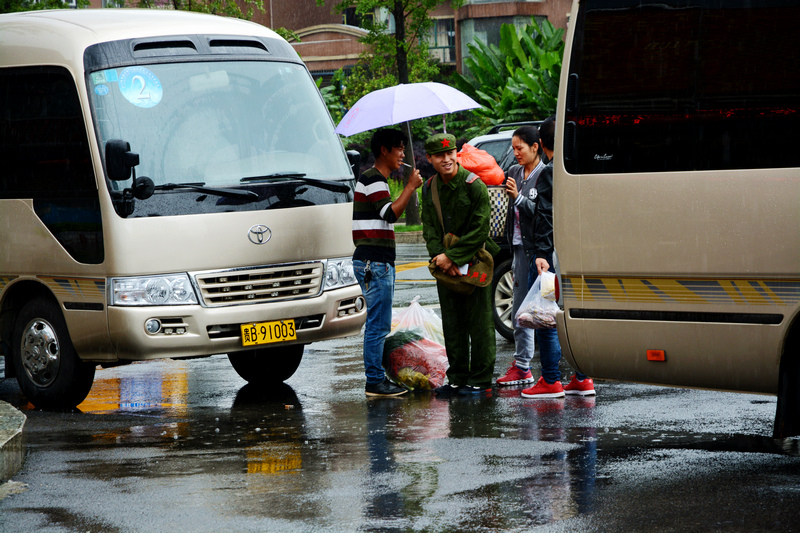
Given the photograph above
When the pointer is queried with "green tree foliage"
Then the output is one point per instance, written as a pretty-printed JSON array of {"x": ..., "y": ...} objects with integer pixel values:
[
  {"x": 332, "y": 95},
  {"x": 517, "y": 80},
  {"x": 288, "y": 34},
  {"x": 13, "y": 6},
  {"x": 227, "y": 8},
  {"x": 392, "y": 58}
]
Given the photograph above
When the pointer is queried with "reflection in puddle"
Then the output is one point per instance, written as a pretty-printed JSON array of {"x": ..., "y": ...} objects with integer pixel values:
[
  {"x": 390, "y": 464},
  {"x": 152, "y": 386},
  {"x": 751, "y": 444},
  {"x": 274, "y": 458},
  {"x": 280, "y": 440},
  {"x": 417, "y": 463},
  {"x": 461, "y": 467}
]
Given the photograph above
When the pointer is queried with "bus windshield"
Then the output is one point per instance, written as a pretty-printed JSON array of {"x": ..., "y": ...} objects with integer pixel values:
[{"x": 199, "y": 126}]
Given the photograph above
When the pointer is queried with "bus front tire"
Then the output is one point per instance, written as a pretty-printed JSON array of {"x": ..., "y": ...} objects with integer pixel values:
[
  {"x": 267, "y": 366},
  {"x": 49, "y": 371}
]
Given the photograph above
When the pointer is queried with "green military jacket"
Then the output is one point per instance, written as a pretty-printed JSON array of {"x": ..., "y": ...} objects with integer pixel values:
[{"x": 465, "y": 211}]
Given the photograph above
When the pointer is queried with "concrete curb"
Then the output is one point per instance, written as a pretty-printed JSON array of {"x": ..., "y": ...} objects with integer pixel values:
[
  {"x": 408, "y": 237},
  {"x": 12, "y": 441}
]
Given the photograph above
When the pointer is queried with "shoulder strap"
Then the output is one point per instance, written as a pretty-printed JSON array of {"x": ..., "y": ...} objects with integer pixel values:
[
  {"x": 472, "y": 177},
  {"x": 434, "y": 185}
]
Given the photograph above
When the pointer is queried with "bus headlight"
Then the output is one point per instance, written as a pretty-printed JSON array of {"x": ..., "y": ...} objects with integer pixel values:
[
  {"x": 339, "y": 273},
  {"x": 153, "y": 290}
]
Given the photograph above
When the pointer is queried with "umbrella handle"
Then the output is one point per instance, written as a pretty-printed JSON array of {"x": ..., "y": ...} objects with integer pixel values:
[{"x": 444, "y": 124}]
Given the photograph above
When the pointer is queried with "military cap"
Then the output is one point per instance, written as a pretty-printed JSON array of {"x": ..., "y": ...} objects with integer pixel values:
[{"x": 441, "y": 142}]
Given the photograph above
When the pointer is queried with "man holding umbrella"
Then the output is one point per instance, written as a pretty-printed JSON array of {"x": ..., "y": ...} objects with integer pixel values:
[
  {"x": 467, "y": 321},
  {"x": 374, "y": 215}
]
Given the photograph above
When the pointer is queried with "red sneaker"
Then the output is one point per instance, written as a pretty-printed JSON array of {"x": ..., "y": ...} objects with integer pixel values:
[
  {"x": 516, "y": 376},
  {"x": 580, "y": 388},
  {"x": 543, "y": 389}
]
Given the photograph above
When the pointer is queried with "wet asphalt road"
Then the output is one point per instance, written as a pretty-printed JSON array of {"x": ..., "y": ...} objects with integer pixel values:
[{"x": 188, "y": 446}]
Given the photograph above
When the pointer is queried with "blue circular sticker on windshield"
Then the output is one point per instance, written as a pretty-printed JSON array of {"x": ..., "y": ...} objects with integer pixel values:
[
  {"x": 101, "y": 90},
  {"x": 140, "y": 87}
]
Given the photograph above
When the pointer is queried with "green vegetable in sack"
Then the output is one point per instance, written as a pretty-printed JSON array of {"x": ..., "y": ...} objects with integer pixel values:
[{"x": 397, "y": 340}]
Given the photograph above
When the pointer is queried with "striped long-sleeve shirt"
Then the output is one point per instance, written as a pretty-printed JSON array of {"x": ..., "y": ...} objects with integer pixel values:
[{"x": 373, "y": 219}]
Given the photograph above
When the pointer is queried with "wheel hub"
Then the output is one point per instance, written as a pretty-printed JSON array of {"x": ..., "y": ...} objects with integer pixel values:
[
  {"x": 504, "y": 298},
  {"x": 41, "y": 352}
]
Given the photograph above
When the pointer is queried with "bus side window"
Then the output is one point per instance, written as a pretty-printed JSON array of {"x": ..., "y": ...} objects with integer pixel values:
[
  {"x": 681, "y": 89},
  {"x": 45, "y": 153}
]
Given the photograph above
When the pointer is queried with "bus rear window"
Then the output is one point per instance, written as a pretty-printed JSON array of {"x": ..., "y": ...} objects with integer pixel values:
[{"x": 676, "y": 86}]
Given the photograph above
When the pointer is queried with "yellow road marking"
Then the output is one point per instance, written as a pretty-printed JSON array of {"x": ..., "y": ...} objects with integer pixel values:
[{"x": 410, "y": 266}]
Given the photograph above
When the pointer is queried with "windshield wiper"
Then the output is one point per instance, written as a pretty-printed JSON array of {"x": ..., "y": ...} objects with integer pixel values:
[
  {"x": 199, "y": 187},
  {"x": 329, "y": 185}
]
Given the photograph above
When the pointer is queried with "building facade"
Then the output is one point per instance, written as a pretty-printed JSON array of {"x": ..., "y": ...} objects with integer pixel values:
[{"x": 329, "y": 39}]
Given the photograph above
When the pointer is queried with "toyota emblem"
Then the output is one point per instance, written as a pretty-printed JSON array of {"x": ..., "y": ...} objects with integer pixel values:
[{"x": 259, "y": 234}]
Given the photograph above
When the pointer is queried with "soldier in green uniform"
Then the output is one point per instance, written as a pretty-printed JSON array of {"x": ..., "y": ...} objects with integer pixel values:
[{"x": 466, "y": 318}]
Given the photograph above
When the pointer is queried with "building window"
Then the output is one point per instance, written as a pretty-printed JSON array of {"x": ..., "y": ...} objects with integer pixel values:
[
  {"x": 360, "y": 20},
  {"x": 442, "y": 40}
]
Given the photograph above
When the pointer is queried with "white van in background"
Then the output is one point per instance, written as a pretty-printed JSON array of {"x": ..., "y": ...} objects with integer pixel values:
[{"x": 171, "y": 187}]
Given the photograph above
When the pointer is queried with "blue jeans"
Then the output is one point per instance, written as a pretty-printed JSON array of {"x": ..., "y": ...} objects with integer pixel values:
[
  {"x": 549, "y": 353},
  {"x": 547, "y": 339},
  {"x": 523, "y": 337},
  {"x": 379, "y": 296}
]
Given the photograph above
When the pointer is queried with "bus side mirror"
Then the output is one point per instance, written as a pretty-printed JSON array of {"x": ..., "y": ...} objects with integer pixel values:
[
  {"x": 143, "y": 188},
  {"x": 355, "y": 162},
  {"x": 120, "y": 160}
]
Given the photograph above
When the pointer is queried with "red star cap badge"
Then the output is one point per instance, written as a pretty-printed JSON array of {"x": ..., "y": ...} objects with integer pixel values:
[{"x": 445, "y": 143}]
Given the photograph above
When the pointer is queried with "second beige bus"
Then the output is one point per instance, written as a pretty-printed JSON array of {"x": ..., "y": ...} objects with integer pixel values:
[{"x": 677, "y": 195}]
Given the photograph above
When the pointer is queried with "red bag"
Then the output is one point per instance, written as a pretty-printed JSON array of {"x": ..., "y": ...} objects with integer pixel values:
[
  {"x": 481, "y": 163},
  {"x": 418, "y": 364}
]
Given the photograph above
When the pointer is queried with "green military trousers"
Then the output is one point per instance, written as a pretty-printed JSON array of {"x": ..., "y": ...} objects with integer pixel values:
[{"x": 467, "y": 322}]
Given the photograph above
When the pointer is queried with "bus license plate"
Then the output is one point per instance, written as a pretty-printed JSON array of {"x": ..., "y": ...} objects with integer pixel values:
[{"x": 267, "y": 332}]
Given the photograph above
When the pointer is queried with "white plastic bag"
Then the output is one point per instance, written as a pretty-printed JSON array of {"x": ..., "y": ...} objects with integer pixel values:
[
  {"x": 538, "y": 309},
  {"x": 420, "y": 320},
  {"x": 414, "y": 353}
]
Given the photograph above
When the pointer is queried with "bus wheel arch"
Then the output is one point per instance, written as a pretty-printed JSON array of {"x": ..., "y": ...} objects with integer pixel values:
[
  {"x": 267, "y": 365},
  {"x": 47, "y": 367},
  {"x": 787, "y": 412}
]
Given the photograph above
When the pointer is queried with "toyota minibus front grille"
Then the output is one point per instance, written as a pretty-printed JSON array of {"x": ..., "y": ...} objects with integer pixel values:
[{"x": 261, "y": 284}]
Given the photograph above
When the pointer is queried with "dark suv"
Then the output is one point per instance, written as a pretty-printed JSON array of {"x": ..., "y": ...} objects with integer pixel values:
[{"x": 497, "y": 141}]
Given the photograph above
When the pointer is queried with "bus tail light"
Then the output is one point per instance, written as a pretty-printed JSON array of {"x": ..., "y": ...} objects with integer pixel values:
[{"x": 558, "y": 290}]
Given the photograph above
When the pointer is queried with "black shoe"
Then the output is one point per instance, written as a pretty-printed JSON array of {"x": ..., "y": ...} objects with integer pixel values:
[
  {"x": 473, "y": 390},
  {"x": 445, "y": 391},
  {"x": 384, "y": 388}
]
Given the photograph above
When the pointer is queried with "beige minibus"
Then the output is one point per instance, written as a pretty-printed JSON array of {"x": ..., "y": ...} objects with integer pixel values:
[
  {"x": 171, "y": 187},
  {"x": 677, "y": 195}
]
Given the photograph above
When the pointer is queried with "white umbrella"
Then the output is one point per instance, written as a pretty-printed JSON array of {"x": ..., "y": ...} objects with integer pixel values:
[{"x": 402, "y": 103}]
